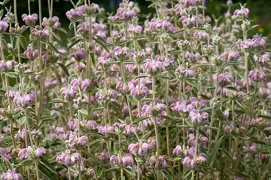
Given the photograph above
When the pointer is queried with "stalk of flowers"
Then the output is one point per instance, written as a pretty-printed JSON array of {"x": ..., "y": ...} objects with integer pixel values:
[{"x": 174, "y": 95}]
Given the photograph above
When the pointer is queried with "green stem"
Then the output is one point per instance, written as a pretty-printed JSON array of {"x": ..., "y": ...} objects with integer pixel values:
[
  {"x": 79, "y": 169},
  {"x": 28, "y": 129},
  {"x": 155, "y": 127},
  {"x": 12, "y": 133},
  {"x": 29, "y": 7},
  {"x": 167, "y": 104},
  {"x": 246, "y": 61},
  {"x": 196, "y": 150},
  {"x": 15, "y": 10},
  {"x": 127, "y": 98},
  {"x": 121, "y": 174},
  {"x": 138, "y": 171},
  {"x": 69, "y": 174},
  {"x": 41, "y": 84},
  {"x": 37, "y": 169},
  {"x": 40, "y": 13}
]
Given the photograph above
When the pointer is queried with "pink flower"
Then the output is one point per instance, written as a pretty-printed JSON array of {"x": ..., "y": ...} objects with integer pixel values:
[
  {"x": 257, "y": 75},
  {"x": 31, "y": 53},
  {"x": 3, "y": 25},
  {"x": 11, "y": 175},
  {"x": 30, "y": 19},
  {"x": 177, "y": 150},
  {"x": 243, "y": 12},
  {"x": 25, "y": 153},
  {"x": 40, "y": 151},
  {"x": 153, "y": 66}
]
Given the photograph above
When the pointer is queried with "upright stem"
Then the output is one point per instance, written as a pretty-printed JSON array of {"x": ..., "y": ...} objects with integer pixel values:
[
  {"x": 167, "y": 104},
  {"x": 213, "y": 106},
  {"x": 2, "y": 48},
  {"x": 79, "y": 169},
  {"x": 41, "y": 84},
  {"x": 49, "y": 7},
  {"x": 5, "y": 85},
  {"x": 79, "y": 118},
  {"x": 40, "y": 13},
  {"x": 18, "y": 40},
  {"x": 246, "y": 60},
  {"x": 69, "y": 174},
  {"x": 29, "y": 7},
  {"x": 12, "y": 133},
  {"x": 138, "y": 171},
  {"x": 127, "y": 100},
  {"x": 52, "y": 7},
  {"x": 40, "y": 68},
  {"x": 15, "y": 10},
  {"x": 28, "y": 129},
  {"x": 196, "y": 150},
  {"x": 121, "y": 174},
  {"x": 232, "y": 112},
  {"x": 246, "y": 71},
  {"x": 37, "y": 169},
  {"x": 155, "y": 127}
]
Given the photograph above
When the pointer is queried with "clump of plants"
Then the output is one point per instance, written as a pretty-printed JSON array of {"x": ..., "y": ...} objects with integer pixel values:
[{"x": 173, "y": 95}]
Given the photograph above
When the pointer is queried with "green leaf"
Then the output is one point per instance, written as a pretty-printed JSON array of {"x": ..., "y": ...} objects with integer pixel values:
[
  {"x": 241, "y": 106},
  {"x": 12, "y": 74},
  {"x": 138, "y": 160},
  {"x": 25, "y": 163},
  {"x": 49, "y": 43},
  {"x": 252, "y": 27},
  {"x": 220, "y": 114},
  {"x": 265, "y": 116},
  {"x": 81, "y": 173},
  {"x": 62, "y": 30},
  {"x": 45, "y": 172},
  {"x": 54, "y": 48},
  {"x": 164, "y": 77},
  {"x": 129, "y": 171},
  {"x": 99, "y": 40},
  {"x": 22, "y": 120},
  {"x": 166, "y": 175},
  {"x": 57, "y": 36},
  {"x": 46, "y": 120},
  {"x": 64, "y": 68},
  {"x": 46, "y": 164},
  {"x": 232, "y": 63},
  {"x": 57, "y": 74},
  {"x": 112, "y": 169},
  {"x": 83, "y": 111},
  {"x": 226, "y": 152},
  {"x": 94, "y": 142},
  {"x": 75, "y": 42},
  {"x": 190, "y": 124},
  {"x": 214, "y": 151},
  {"x": 240, "y": 174},
  {"x": 192, "y": 83},
  {"x": 187, "y": 175},
  {"x": 132, "y": 99},
  {"x": 57, "y": 101},
  {"x": 71, "y": 26},
  {"x": 2, "y": 91},
  {"x": 4, "y": 2},
  {"x": 141, "y": 119}
]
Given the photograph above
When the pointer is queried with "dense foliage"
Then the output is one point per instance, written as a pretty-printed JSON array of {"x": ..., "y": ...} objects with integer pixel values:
[{"x": 172, "y": 95}]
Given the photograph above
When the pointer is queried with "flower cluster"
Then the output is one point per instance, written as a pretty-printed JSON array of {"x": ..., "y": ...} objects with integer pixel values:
[{"x": 169, "y": 95}]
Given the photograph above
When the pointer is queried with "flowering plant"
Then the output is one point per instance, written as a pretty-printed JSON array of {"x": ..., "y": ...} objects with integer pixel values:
[{"x": 176, "y": 95}]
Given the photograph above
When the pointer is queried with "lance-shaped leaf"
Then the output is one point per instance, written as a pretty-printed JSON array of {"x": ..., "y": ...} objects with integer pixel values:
[{"x": 212, "y": 155}]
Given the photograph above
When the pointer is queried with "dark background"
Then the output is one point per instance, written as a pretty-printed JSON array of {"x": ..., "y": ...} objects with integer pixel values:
[{"x": 260, "y": 9}]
